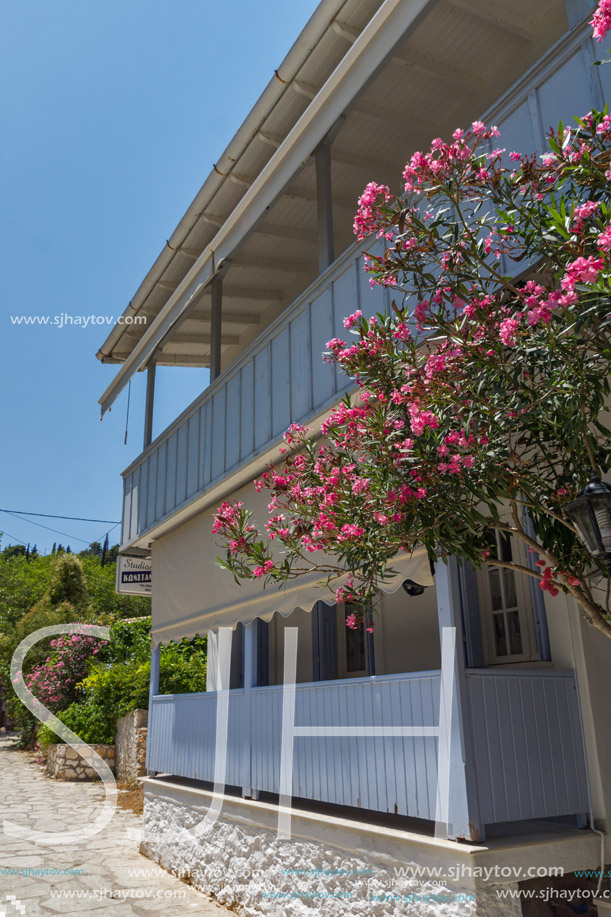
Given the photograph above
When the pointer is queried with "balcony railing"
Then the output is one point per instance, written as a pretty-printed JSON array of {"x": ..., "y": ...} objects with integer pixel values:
[
  {"x": 280, "y": 379},
  {"x": 527, "y": 735}
]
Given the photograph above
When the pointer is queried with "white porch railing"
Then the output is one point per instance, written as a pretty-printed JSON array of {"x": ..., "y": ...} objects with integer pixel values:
[{"x": 527, "y": 735}]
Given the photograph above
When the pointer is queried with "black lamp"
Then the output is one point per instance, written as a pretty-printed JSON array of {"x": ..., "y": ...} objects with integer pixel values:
[
  {"x": 590, "y": 513},
  {"x": 412, "y": 588}
]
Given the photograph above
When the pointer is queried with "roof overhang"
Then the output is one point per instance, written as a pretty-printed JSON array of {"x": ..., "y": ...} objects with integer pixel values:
[
  {"x": 382, "y": 77},
  {"x": 369, "y": 51}
]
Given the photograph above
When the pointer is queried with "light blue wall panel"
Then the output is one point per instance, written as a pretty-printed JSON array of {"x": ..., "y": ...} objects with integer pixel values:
[
  {"x": 301, "y": 365},
  {"x": 232, "y": 434},
  {"x": 281, "y": 382},
  {"x": 321, "y": 322},
  {"x": 170, "y": 487},
  {"x": 218, "y": 432},
  {"x": 162, "y": 470},
  {"x": 205, "y": 425},
  {"x": 247, "y": 410},
  {"x": 181, "y": 464},
  {"x": 566, "y": 93},
  {"x": 263, "y": 397},
  {"x": 151, "y": 503},
  {"x": 529, "y": 755}
]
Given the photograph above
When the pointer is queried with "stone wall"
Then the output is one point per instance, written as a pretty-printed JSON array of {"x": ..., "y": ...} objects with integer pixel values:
[
  {"x": 130, "y": 740},
  {"x": 342, "y": 870},
  {"x": 64, "y": 763}
]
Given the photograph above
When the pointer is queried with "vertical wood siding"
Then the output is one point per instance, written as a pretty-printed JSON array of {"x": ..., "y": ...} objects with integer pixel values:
[
  {"x": 281, "y": 379},
  {"x": 529, "y": 756},
  {"x": 528, "y": 743},
  {"x": 367, "y": 773}
]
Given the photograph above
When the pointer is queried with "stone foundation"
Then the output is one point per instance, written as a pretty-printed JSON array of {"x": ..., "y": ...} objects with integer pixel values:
[
  {"x": 331, "y": 866},
  {"x": 64, "y": 763},
  {"x": 130, "y": 742},
  {"x": 337, "y": 866}
]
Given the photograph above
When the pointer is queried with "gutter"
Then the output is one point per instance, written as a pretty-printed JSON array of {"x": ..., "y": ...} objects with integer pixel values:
[{"x": 320, "y": 21}]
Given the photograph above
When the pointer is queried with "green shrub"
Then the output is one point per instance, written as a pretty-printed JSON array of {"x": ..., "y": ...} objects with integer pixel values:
[
  {"x": 91, "y": 723},
  {"x": 113, "y": 689}
]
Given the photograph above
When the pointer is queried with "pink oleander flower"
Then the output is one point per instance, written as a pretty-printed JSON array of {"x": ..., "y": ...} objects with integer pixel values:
[
  {"x": 350, "y": 531},
  {"x": 507, "y": 331},
  {"x": 351, "y": 321},
  {"x": 262, "y": 570},
  {"x": 604, "y": 239},
  {"x": 368, "y": 218},
  {"x": 601, "y": 21},
  {"x": 582, "y": 213},
  {"x": 582, "y": 270}
]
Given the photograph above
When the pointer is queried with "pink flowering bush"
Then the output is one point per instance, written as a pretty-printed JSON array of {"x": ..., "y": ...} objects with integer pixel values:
[
  {"x": 481, "y": 398},
  {"x": 55, "y": 682}
]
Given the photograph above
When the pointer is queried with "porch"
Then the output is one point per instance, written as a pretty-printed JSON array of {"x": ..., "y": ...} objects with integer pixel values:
[{"x": 522, "y": 732}]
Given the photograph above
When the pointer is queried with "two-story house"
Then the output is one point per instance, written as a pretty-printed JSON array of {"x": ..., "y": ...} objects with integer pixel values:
[{"x": 252, "y": 283}]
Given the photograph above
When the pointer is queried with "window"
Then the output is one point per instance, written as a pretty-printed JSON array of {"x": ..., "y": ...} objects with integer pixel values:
[
  {"x": 507, "y": 619},
  {"x": 355, "y": 647}
]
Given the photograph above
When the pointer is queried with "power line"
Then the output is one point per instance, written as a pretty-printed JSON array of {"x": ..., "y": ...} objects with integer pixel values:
[
  {"x": 12, "y": 537},
  {"x": 22, "y": 512},
  {"x": 48, "y": 528},
  {"x": 99, "y": 540}
]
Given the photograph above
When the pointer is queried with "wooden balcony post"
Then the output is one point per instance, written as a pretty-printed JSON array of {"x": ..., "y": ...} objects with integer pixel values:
[
  {"x": 456, "y": 751},
  {"x": 150, "y": 400},
  {"x": 212, "y": 660},
  {"x": 250, "y": 677},
  {"x": 216, "y": 321},
  {"x": 324, "y": 205},
  {"x": 153, "y": 690}
]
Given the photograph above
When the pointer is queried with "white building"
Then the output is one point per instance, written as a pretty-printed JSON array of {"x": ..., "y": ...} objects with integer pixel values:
[{"x": 255, "y": 279}]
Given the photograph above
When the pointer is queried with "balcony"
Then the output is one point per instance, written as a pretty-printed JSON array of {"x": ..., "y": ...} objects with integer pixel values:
[
  {"x": 280, "y": 379},
  {"x": 526, "y": 734}
]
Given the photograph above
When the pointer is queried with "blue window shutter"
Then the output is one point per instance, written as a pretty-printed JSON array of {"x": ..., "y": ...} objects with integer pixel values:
[
  {"x": 262, "y": 653},
  {"x": 538, "y": 602},
  {"x": 236, "y": 677},
  {"x": 472, "y": 625},
  {"x": 324, "y": 627}
]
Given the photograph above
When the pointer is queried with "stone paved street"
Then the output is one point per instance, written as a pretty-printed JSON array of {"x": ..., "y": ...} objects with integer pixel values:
[{"x": 114, "y": 878}]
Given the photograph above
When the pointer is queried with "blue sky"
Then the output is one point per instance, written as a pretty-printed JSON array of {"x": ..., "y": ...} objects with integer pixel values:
[{"x": 112, "y": 115}]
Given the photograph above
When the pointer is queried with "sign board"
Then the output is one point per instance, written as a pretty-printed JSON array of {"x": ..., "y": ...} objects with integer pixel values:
[{"x": 133, "y": 575}]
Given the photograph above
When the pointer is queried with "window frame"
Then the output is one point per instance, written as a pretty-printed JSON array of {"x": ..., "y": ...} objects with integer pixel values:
[{"x": 524, "y": 607}]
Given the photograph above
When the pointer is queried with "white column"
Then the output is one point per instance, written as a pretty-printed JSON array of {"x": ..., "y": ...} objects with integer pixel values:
[
  {"x": 153, "y": 690},
  {"x": 212, "y": 661},
  {"x": 463, "y": 814},
  {"x": 250, "y": 677}
]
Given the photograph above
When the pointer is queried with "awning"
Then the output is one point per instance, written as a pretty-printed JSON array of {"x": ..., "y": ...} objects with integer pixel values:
[{"x": 192, "y": 595}]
